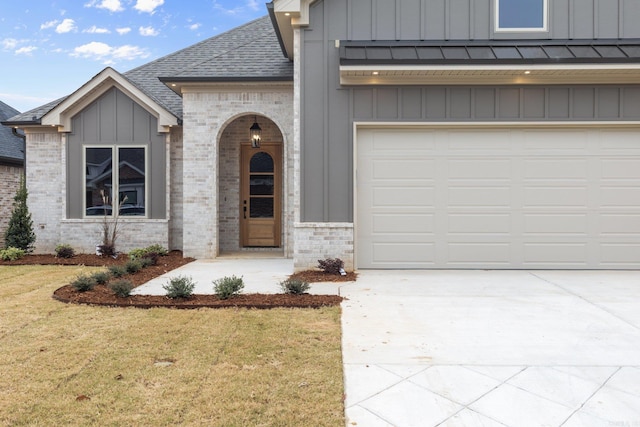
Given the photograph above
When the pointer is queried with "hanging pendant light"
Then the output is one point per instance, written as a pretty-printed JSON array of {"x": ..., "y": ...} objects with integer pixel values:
[{"x": 255, "y": 132}]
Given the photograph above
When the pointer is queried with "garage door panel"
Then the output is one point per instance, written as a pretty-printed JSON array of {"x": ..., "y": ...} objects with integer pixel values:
[
  {"x": 556, "y": 254},
  {"x": 479, "y": 223},
  {"x": 624, "y": 169},
  {"x": 403, "y": 196},
  {"x": 399, "y": 170},
  {"x": 622, "y": 255},
  {"x": 547, "y": 169},
  {"x": 476, "y": 254},
  {"x": 479, "y": 196},
  {"x": 556, "y": 224},
  {"x": 399, "y": 254},
  {"x": 507, "y": 198},
  {"x": 620, "y": 224},
  {"x": 403, "y": 223},
  {"x": 620, "y": 196},
  {"x": 555, "y": 141},
  {"x": 555, "y": 196},
  {"x": 477, "y": 169}
]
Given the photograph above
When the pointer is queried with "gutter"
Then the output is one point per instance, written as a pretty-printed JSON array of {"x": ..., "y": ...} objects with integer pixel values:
[{"x": 14, "y": 131}]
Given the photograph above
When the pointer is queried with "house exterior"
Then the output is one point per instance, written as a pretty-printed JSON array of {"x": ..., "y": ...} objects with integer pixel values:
[
  {"x": 395, "y": 134},
  {"x": 11, "y": 167}
]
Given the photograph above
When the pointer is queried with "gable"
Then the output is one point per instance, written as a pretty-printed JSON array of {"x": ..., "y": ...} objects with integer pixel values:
[{"x": 61, "y": 115}]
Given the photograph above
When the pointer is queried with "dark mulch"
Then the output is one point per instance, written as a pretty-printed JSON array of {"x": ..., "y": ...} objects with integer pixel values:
[{"x": 103, "y": 296}]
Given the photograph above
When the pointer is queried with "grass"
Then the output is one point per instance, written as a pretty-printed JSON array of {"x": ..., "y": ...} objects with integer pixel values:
[{"x": 78, "y": 365}]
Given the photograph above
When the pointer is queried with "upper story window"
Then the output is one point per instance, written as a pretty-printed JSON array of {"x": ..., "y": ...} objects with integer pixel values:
[{"x": 521, "y": 15}]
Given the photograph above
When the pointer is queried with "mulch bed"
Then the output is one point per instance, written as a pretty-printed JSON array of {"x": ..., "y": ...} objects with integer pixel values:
[{"x": 101, "y": 295}]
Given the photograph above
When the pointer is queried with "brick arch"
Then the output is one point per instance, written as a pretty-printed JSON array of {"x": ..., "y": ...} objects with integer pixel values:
[{"x": 235, "y": 132}]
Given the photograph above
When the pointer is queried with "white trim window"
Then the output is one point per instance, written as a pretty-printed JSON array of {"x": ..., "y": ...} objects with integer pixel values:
[
  {"x": 103, "y": 181},
  {"x": 521, "y": 15}
]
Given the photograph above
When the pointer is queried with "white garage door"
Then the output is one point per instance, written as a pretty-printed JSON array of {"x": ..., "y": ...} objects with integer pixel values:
[{"x": 498, "y": 198}]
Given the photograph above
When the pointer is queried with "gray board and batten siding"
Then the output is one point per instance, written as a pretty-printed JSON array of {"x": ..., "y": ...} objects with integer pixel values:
[
  {"x": 114, "y": 119},
  {"x": 329, "y": 109}
]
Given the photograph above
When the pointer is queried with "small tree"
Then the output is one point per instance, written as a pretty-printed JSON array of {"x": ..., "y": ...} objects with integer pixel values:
[{"x": 20, "y": 233}]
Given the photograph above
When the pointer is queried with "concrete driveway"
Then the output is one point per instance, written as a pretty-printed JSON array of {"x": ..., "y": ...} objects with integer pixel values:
[{"x": 492, "y": 348}]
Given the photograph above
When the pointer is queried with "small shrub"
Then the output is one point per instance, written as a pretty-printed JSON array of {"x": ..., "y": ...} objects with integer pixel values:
[
  {"x": 331, "y": 265},
  {"x": 122, "y": 287},
  {"x": 228, "y": 286},
  {"x": 101, "y": 277},
  {"x": 148, "y": 261},
  {"x": 107, "y": 250},
  {"x": 84, "y": 283},
  {"x": 117, "y": 270},
  {"x": 11, "y": 254},
  {"x": 158, "y": 249},
  {"x": 137, "y": 253},
  {"x": 180, "y": 287},
  {"x": 65, "y": 251},
  {"x": 294, "y": 286},
  {"x": 153, "y": 251},
  {"x": 133, "y": 266}
]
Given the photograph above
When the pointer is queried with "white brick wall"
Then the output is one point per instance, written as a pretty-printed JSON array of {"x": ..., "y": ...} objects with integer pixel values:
[
  {"x": 320, "y": 240},
  {"x": 207, "y": 114},
  {"x": 46, "y": 184},
  {"x": 84, "y": 234},
  {"x": 174, "y": 198},
  {"x": 9, "y": 183}
]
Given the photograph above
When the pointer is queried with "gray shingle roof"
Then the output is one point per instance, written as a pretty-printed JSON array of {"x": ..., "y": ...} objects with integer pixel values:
[
  {"x": 248, "y": 52},
  {"x": 11, "y": 146}
]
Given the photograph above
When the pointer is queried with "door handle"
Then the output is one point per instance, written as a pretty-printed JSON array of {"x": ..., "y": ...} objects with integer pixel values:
[{"x": 244, "y": 210}]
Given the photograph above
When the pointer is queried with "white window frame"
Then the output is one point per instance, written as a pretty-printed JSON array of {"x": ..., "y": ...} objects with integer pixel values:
[
  {"x": 545, "y": 20},
  {"x": 115, "y": 178}
]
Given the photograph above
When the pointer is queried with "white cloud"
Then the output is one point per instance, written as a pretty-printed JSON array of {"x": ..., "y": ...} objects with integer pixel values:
[
  {"x": 194, "y": 27},
  {"x": 148, "y": 31},
  {"x": 9, "y": 44},
  {"x": 123, "y": 31},
  {"x": 148, "y": 6},
  {"x": 27, "y": 50},
  {"x": 49, "y": 24},
  {"x": 110, "y": 5},
  {"x": 108, "y": 54},
  {"x": 66, "y": 26},
  {"x": 96, "y": 30},
  {"x": 253, "y": 5}
]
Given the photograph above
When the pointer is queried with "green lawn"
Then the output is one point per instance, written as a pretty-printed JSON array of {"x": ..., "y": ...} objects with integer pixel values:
[{"x": 76, "y": 365}]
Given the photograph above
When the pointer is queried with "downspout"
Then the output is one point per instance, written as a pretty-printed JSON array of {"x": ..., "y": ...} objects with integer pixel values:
[{"x": 14, "y": 131}]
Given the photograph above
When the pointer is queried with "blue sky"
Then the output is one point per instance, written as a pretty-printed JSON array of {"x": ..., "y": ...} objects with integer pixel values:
[{"x": 48, "y": 49}]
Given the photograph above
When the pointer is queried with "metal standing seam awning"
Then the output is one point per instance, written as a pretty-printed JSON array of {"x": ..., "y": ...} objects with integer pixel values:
[{"x": 490, "y": 62}]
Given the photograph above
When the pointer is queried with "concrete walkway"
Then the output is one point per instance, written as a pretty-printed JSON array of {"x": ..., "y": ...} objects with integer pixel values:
[{"x": 474, "y": 348}]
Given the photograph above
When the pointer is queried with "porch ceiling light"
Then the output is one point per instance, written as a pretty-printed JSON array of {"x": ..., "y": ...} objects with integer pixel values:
[{"x": 255, "y": 132}]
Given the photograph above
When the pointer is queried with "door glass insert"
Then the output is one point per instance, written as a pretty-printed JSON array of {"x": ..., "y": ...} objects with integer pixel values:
[
  {"x": 261, "y": 207},
  {"x": 261, "y": 162},
  {"x": 261, "y": 186}
]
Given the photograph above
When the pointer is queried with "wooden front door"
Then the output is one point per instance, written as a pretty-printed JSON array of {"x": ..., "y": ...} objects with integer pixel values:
[{"x": 260, "y": 195}]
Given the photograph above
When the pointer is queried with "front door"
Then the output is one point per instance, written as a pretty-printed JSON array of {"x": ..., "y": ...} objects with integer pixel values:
[{"x": 260, "y": 195}]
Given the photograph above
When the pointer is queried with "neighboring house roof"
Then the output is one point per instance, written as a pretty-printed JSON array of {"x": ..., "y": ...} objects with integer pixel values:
[
  {"x": 250, "y": 52},
  {"x": 490, "y": 52},
  {"x": 11, "y": 146}
]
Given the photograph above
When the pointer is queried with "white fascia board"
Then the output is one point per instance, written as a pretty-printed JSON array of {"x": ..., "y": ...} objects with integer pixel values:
[
  {"x": 61, "y": 115},
  {"x": 291, "y": 14}
]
